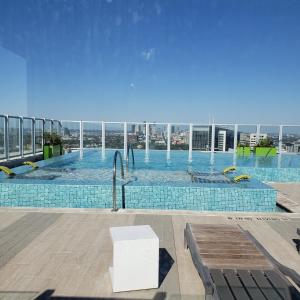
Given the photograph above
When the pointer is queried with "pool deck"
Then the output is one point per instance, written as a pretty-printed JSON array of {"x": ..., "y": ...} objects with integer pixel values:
[
  {"x": 69, "y": 251},
  {"x": 288, "y": 196}
]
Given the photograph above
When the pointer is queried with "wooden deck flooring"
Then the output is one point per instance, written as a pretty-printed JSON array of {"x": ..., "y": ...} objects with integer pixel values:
[
  {"x": 70, "y": 251},
  {"x": 226, "y": 246}
]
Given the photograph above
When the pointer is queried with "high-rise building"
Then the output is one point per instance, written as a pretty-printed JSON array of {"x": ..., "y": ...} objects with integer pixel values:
[
  {"x": 222, "y": 140},
  {"x": 201, "y": 138},
  {"x": 226, "y": 135},
  {"x": 133, "y": 128}
]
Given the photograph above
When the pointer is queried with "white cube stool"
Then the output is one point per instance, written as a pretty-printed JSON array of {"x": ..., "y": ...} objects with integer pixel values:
[{"x": 135, "y": 258}]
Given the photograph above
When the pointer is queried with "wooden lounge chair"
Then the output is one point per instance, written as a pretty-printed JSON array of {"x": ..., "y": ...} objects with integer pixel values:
[{"x": 233, "y": 265}]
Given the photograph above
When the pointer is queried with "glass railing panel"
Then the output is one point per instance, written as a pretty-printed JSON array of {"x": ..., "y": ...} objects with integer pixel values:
[
  {"x": 224, "y": 138},
  {"x": 180, "y": 137},
  {"x": 56, "y": 127},
  {"x": 158, "y": 136},
  {"x": 39, "y": 135},
  {"x": 47, "y": 126},
  {"x": 14, "y": 136},
  {"x": 291, "y": 139},
  {"x": 92, "y": 133},
  {"x": 27, "y": 136},
  {"x": 71, "y": 134},
  {"x": 270, "y": 134},
  {"x": 136, "y": 135},
  {"x": 247, "y": 135},
  {"x": 201, "y": 137},
  {"x": 2, "y": 137},
  {"x": 114, "y": 135}
]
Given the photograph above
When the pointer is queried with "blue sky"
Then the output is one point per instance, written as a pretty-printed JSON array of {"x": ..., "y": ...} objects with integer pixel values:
[{"x": 174, "y": 61}]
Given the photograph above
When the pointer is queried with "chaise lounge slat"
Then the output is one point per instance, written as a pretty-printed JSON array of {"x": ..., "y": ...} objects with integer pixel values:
[
  {"x": 219, "y": 280},
  {"x": 278, "y": 283},
  {"x": 236, "y": 268},
  {"x": 264, "y": 285},
  {"x": 236, "y": 285},
  {"x": 250, "y": 285}
]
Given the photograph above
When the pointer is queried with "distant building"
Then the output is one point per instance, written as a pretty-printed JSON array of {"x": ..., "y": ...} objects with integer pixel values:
[
  {"x": 289, "y": 147},
  {"x": 293, "y": 147},
  {"x": 141, "y": 129},
  {"x": 297, "y": 146},
  {"x": 250, "y": 139},
  {"x": 254, "y": 140},
  {"x": 201, "y": 138},
  {"x": 244, "y": 139},
  {"x": 133, "y": 128},
  {"x": 222, "y": 140},
  {"x": 66, "y": 131}
]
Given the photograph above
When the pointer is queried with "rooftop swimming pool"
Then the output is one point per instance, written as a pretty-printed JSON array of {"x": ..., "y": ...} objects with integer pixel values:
[{"x": 85, "y": 180}]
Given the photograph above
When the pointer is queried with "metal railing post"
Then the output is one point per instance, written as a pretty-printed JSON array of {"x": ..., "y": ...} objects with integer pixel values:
[
  {"x": 147, "y": 142},
  {"x": 280, "y": 139},
  {"x": 191, "y": 143},
  {"x": 257, "y": 134},
  {"x": 21, "y": 137},
  {"x": 169, "y": 141},
  {"x": 43, "y": 132},
  {"x": 60, "y": 128},
  {"x": 235, "y": 141},
  {"x": 103, "y": 138},
  {"x": 81, "y": 135},
  {"x": 213, "y": 132},
  {"x": 33, "y": 135},
  {"x": 51, "y": 126},
  {"x": 125, "y": 140},
  {"x": 6, "y": 138}
]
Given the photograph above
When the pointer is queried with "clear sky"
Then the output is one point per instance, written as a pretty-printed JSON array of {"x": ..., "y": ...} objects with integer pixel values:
[{"x": 173, "y": 61}]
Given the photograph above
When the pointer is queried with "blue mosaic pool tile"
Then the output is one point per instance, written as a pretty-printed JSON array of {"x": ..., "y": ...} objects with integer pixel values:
[
  {"x": 204, "y": 199},
  {"x": 48, "y": 195},
  {"x": 273, "y": 174}
]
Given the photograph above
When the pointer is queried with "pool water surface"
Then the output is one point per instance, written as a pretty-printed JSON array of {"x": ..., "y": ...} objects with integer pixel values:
[{"x": 85, "y": 180}]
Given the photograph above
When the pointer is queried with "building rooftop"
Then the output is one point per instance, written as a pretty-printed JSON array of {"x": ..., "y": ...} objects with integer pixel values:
[{"x": 69, "y": 250}]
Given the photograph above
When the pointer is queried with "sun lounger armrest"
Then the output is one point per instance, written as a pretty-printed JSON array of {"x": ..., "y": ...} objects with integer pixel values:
[
  {"x": 201, "y": 268},
  {"x": 285, "y": 270}
]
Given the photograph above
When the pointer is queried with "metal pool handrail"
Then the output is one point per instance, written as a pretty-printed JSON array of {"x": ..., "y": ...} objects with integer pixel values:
[
  {"x": 117, "y": 153},
  {"x": 129, "y": 147}
]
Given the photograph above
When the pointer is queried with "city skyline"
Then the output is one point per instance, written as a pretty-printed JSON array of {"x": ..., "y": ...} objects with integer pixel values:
[{"x": 174, "y": 61}]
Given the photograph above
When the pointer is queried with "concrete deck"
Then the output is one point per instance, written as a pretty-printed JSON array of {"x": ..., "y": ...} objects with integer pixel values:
[
  {"x": 288, "y": 196},
  {"x": 70, "y": 251}
]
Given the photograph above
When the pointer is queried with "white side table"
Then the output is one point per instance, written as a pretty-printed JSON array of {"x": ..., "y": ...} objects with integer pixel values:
[{"x": 135, "y": 258}]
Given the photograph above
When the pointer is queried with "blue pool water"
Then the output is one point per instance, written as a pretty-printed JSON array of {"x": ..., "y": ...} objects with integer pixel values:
[{"x": 86, "y": 181}]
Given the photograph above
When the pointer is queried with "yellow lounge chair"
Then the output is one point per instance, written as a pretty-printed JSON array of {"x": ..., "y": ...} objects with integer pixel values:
[
  {"x": 241, "y": 177},
  {"x": 229, "y": 169},
  {"x": 31, "y": 164},
  {"x": 7, "y": 171}
]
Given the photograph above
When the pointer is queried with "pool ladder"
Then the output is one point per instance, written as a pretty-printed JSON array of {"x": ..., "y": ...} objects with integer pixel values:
[
  {"x": 114, "y": 192},
  {"x": 129, "y": 147}
]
